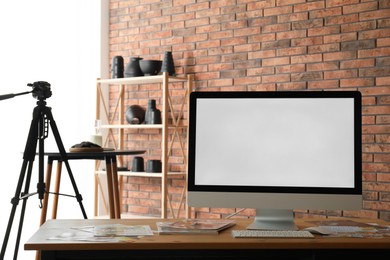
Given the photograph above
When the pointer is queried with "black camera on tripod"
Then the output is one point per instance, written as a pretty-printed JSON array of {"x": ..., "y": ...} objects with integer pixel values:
[{"x": 41, "y": 89}]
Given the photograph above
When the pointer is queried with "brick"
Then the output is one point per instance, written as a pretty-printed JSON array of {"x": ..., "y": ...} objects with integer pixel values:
[
  {"x": 291, "y": 86},
  {"x": 321, "y": 13},
  {"x": 358, "y": 8},
  {"x": 309, "y": 6},
  {"x": 331, "y": 3},
  {"x": 340, "y": 74},
  {"x": 220, "y": 66},
  {"x": 293, "y": 17},
  {"x": 263, "y": 87},
  {"x": 262, "y": 54},
  {"x": 384, "y": 100},
  {"x": 221, "y": 35},
  {"x": 357, "y": 82},
  {"x": 182, "y": 17},
  {"x": 249, "y": 14},
  {"x": 377, "y": 14},
  {"x": 220, "y": 82},
  {"x": 252, "y": 47},
  {"x": 260, "y": 5},
  {"x": 262, "y": 38},
  {"x": 207, "y": 29},
  {"x": 206, "y": 12},
  {"x": 290, "y": 68},
  {"x": 310, "y": 58},
  {"x": 260, "y": 71},
  {"x": 275, "y": 61},
  {"x": 275, "y": 44},
  {"x": 291, "y": 51},
  {"x": 377, "y": 72},
  {"x": 376, "y": 129},
  {"x": 278, "y": 10},
  {"x": 208, "y": 44},
  {"x": 233, "y": 9},
  {"x": 380, "y": 120},
  {"x": 381, "y": 62},
  {"x": 385, "y": 51},
  {"x": 383, "y": 42},
  {"x": 326, "y": 30},
  {"x": 195, "y": 38},
  {"x": 323, "y": 84},
  {"x": 344, "y": 19},
  {"x": 197, "y": 7},
  {"x": 321, "y": 48},
  {"x": 246, "y": 31},
  {"x": 275, "y": 78},
  {"x": 307, "y": 24},
  {"x": 291, "y": 34},
  {"x": 243, "y": 80},
  {"x": 382, "y": 138},
  {"x": 307, "y": 41},
  {"x": 374, "y": 34},
  {"x": 358, "y": 27},
  {"x": 234, "y": 57},
  {"x": 288, "y": 2},
  {"x": 196, "y": 22},
  {"x": 357, "y": 63},
  {"x": 222, "y": 3},
  {"x": 382, "y": 23},
  {"x": 307, "y": 76},
  {"x": 233, "y": 25},
  {"x": 322, "y": 66},
  {"x": 221, "y": 18},
  {"x": 276, "y": 28},
  {"x": 342, "y": 55},
  {"x": 341, "y": 37},
  {"x": 383, "y": 81}
]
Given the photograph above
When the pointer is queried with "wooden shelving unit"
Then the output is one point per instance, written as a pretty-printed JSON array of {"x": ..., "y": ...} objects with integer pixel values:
[{"x": 170, "y": 126}]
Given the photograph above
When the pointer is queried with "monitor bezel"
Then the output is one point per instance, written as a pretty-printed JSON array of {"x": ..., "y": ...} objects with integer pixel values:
[{"x": 355, "y": 95}]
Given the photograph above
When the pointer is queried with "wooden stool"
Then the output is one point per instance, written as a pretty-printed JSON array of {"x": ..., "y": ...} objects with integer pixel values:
[{"x": 111, "y": 173}]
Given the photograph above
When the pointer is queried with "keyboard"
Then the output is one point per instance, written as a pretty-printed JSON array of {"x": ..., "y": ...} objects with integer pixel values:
[{"x": 271, "y": 234}]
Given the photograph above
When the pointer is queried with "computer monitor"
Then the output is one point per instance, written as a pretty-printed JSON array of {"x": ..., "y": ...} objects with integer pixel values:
[{"x": 275, "y": 152}]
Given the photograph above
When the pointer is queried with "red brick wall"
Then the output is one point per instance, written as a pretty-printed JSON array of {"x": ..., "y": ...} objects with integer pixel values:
[{"x": 263, "y": 46}]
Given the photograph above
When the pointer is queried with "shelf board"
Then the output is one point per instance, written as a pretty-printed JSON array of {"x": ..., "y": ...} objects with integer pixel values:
[
  {"x": 143, "y": 174},
  {"x": 140, "y": 80},
  {"x": 141, "y": 126}
]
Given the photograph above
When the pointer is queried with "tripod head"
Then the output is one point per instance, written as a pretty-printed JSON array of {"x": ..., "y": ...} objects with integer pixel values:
[{"x": 41, "y": 90}]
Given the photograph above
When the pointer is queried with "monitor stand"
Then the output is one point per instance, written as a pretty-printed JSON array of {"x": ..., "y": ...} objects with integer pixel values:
[{"x": 273, "y": 219}]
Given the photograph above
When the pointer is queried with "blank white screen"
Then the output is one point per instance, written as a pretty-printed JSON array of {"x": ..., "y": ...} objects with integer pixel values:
[{"x": 292, "y": 142}]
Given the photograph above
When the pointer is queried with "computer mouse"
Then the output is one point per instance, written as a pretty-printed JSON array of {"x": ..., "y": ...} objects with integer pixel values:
[{"x": 318, "y": 230}]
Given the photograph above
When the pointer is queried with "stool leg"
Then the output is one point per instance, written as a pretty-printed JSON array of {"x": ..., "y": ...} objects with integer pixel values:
[
  {"x": 116, "y": 188},
  {"x": 56, "y": 190},
  {"x": 95, "y": 190},
  {"x": 46, "y": 196},
  {"x": 109, "y": 187},
  {"x": 45, "y": 199}
]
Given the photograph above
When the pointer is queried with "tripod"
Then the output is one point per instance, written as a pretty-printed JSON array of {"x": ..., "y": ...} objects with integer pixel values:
[{"x": 39, "y": 130}]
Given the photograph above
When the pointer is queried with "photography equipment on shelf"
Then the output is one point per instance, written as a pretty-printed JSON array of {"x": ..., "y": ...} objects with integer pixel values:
[{"x": 39, "y": 130}]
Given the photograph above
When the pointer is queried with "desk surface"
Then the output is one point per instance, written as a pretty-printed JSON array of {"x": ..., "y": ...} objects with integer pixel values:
[{"x": 223, "y": 240}]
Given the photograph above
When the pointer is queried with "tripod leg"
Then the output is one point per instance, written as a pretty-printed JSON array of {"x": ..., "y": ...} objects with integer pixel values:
[
  {"x": 28, "y": 159},
  {"x": 65, "y": 159},
  {"x": 23, "y": 210},
  {"x": 15, "y": 202}
]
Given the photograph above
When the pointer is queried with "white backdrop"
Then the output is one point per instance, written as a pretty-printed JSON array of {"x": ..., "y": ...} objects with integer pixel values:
[{"x": 58, "y": 42}]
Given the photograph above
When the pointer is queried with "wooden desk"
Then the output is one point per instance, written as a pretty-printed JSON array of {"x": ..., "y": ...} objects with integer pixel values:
[
  {"x": 206, "y": 246},
  {"x": 111, "y": 171}
]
